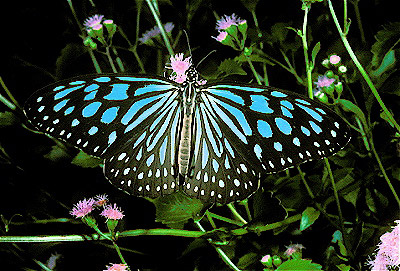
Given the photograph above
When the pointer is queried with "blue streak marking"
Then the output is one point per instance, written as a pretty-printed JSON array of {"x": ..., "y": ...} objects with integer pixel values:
[
  {"x": 173, "y": 133},
  {"x": 320, "y": 111},
  {"x": 58, "y": 88},
  {"x": 157, "y": 121},
  {"x": 264, "y": 129},
  {"x": 305, "y": 131},
  {"x": 69, "y": 110},
  {"x": 93, "y": 130},
  {"x": 287, "y": 104},
  {"x": 227, "y": 165},
  {"x": 278, "y": 94},
  {"x": 198, "y": 134},
  {"x": 163, "y": 151},
  {"x": 109, "y": 115},
  {"x": 209, "y": 133},
  {"x": 91, "y": 87},
  {"x": 286, "y": 112},
  {"x": 91, "y": 109},
  {"x": 112, "y": 137},
  {"x": 90, "y": 96},
  {"x": 311, "y": 112},
  {"x": 139, "y": 155},
  {"x": 152, "y": 88},
  {"x": 140, "y": 139},
  {"x": 102, "y": 79},
  {"x": 75, "y": 122},
  {"x": 60, "y": 105},
  {"x": 228, "y": 121},
  {"x": 228, "y": 95},
  {"x": 204, "y": 157},
  {"x": 303, "y": 101},
  {"x": 65, "y": 92},
  {"x": 283, "y": 126},
  {"x": 215, "y": 165},
  {"x": 253, "y": 89},
  {"x": 118, "y": 92},
  {"x": 74, "y": 83},
  {"x": 150, "y": 160},
  {"x": 260, "y": 104},
  {"x": 239, "y": 116},
  {"x": 315, "y": 127},
  {"x": 136, "y": 107},
  {"x": 258, "y": 151},
  {"x": 162, "y": 130},
  {"x": 229, "y": 148},
  {"x": 277, "y": 146},
  {"x": 146, "y": 114}
]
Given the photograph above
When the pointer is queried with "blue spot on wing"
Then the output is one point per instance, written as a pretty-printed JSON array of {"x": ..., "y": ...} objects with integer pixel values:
[
  {"x": 60, "y": 105},
  {"x": 311, "y": 112},
  {"x": 315, "y": 127},
  {"x": 264, "y": 128},
  {"x": 91, "y": 109},
  {"x": 65, "y": 92},
  {"x": 109, "y": 115},
  {"x": 91, "y": 87},
  {"x": 102, "y": 79},
  {"x": 260, "y": 104},
  {"x": 93, "y": 130},
  {"x": 278, "y": 94},
  {"x": 283, "y": 125},
  {"x": 90, "y": 96},
  {"x": 118, "y": 92}
]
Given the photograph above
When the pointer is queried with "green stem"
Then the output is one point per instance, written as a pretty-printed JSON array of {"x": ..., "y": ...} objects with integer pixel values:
[
  {"x": 110, "y": 60},
  {"x": 119, "y": 253},
  {"x": 235, "y": 213},
  {"x": 161, "y": 27},
  {"x": 220, "y": 252},
  {"x": 359, "y": 22},
  {"x": 14, "y": 103},
  {"x": 253, "y": 70},
  {"x": 362, "y": 70},
  {"x": 305, "y": 50}
]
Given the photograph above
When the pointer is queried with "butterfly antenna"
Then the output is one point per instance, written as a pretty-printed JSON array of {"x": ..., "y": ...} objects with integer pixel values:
[
  {"x": 188, "y": 43},
  {"x": 198, "y": 64}
]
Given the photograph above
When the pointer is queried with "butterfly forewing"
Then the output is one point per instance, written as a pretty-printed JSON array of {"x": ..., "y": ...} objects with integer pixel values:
[{"x": 118, "y": 118}]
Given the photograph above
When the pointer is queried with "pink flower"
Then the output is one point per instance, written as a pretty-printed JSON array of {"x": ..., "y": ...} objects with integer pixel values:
[
  {"x": 324, "y": 81},
  {"x": 388, "y": 250},
  {"x": 228, "y": 21},
  {"x": 221, "y": 36},
  {"x": 334, "y": 59},
  {"x": 293, "y": 248},
  {"x": 117, "y": 267},
  {"x": 93, "y": 21},
  {"x": 83, "y": 207},
  {"x": 101, "y": 200},
  {"x": 180, "y": 65},
  {"x": 179, "y": 78},
  {"x": 112, "y": 212}
]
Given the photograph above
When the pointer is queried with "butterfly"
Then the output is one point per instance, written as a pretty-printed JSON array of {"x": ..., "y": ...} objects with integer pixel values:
[{"x": 212, "y": 141}]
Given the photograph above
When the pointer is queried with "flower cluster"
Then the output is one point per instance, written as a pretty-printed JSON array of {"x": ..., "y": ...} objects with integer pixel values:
[
  {"x": 232, "y": 31},
  {"x": 179, "y": 67},
  {"x": 94, "y": 27},
  {"x": 86, "y": 206},
  {"x": 388, "y": 254},
  {"x": 155, "y": 33},
  {"x": 328, "y": 84}
]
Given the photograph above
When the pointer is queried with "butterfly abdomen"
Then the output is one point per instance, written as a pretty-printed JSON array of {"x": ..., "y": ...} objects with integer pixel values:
[{"x": 185, "y": 144}]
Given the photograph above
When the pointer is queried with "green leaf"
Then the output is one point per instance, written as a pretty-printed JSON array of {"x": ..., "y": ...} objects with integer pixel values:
[
  {"x": 248, "y": 259},
  {"x": 308, "y": 217},
  {"x": 350, "y": 106},
  {"x": 229, "y": 67},
  {"x": 176, "y": 209},
  {"x": 315, "y": 51},
  {"x": 85, "y": 160},
  {"x": 57, "y": 153},
  {"x": 297, "y": 265},
  {"x": 343, "y": 267},
  {"x": 7, "y": 119},
  {"x": 386, "y": 39},
  {"x": 250, "y": 4}
]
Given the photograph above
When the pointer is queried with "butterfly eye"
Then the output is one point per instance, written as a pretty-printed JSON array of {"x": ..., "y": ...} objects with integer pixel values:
[{"x": 213, "y": 142}]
